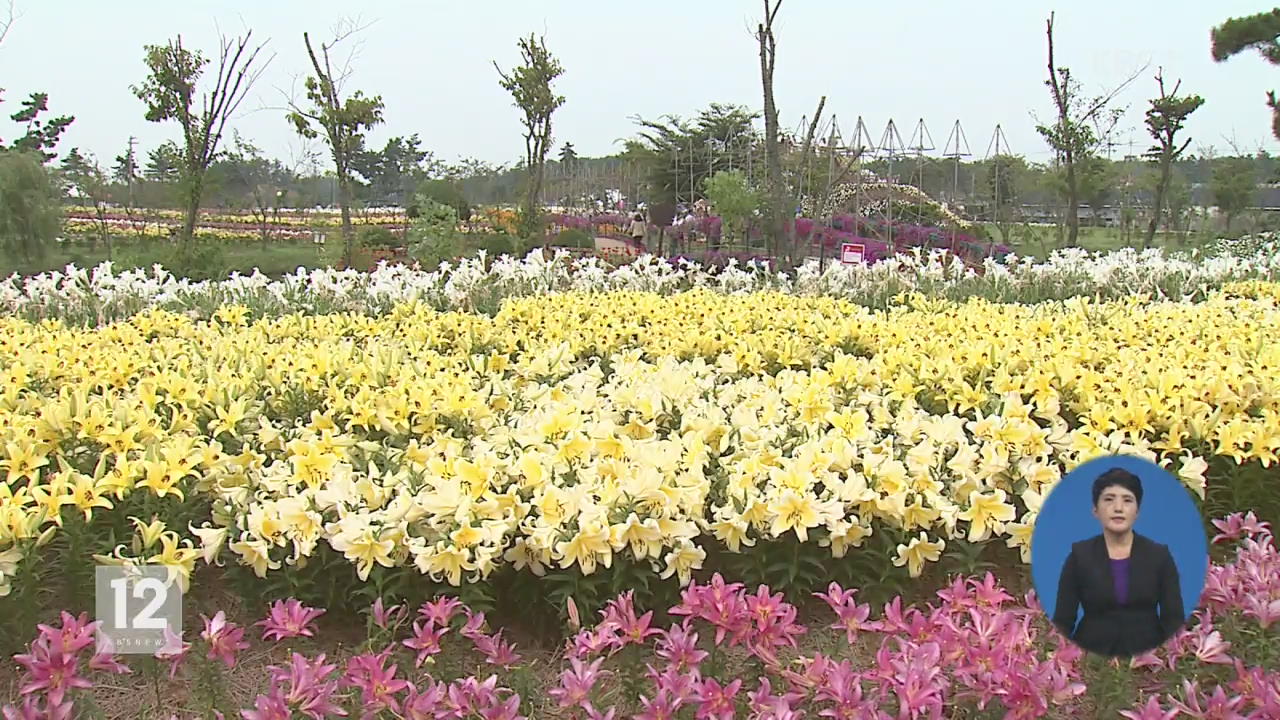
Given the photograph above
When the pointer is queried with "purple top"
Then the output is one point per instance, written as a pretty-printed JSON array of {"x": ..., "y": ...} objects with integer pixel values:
[{"x": 1120, "y": 573}]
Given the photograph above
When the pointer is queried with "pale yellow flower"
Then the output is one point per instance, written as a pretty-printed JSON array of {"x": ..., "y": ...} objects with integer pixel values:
[
  {"x": 917, "y": 552},
  {"x": 683, "y": 559}
]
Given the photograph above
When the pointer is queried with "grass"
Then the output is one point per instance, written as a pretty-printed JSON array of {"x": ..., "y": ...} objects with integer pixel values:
[
  {"x": 1038, "y": 242},
  {"x": 275, "y": 259},
  {"x": 281, "y": 257}
]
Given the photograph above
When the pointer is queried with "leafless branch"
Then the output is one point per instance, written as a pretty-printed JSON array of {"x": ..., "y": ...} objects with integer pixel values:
[
  {"x": 306, "y": 154},
  {"x": 813, "y": 126},
  {"x": 1234, "y": 143},
  {"x": 237, "y": 73},
  {"x": 9, "y": 18},
  {"x": 344, "y": 29},
  {"x": 1106, "y": 98}
]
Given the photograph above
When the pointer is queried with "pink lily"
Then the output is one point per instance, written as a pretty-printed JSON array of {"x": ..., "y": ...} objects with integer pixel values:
[
  {"x": 1238, "y": 525},
  {"x": 174, "y": 651},
  {"x": 225, "y": 638},
  {"x": 426, "y": 640},
  {"x": 378, "y": 684},
  {"x": 577, "y": 682},
  {"x": 287, "y": 619},
  {"x": 1150, "y": 711},
  {"x": 55, "y": 674},
  {"x": 716, "y": 702},
  {"x": 441, "y": 610},
  {"x": 496, "y": 650},
  {"x": 384, "y": 616},
  {"x": 1216, "y": 707}
]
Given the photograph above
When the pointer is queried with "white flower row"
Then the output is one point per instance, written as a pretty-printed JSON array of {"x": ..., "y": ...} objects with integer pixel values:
[{"x": 480, "y": 283}]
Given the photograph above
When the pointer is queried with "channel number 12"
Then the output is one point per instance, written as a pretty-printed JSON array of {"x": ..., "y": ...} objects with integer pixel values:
[{"x": 146, "y": 619}]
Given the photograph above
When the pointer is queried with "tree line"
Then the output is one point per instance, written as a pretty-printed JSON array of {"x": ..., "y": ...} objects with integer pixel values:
[{"x": 669, "y": 160}]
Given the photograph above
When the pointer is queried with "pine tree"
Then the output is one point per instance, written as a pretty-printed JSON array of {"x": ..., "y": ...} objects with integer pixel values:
[{"x": 1259, "y": 32}]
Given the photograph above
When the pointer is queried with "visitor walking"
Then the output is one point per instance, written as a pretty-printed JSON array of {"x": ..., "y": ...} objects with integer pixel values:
[{"x": 638, "y": 230}]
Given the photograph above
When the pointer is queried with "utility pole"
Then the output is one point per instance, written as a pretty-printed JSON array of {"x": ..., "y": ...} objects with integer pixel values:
[{"x": 131, "y": 170}]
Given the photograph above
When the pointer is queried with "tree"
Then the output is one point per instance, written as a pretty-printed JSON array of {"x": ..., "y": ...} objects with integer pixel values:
[
  {"x": 164, "y": 164},
  {"x": 1178, "y": 202},
  {"x": 1081, "y": 125},
  {"x": 568, "y": 155},
  {"x": 41, "y": 136},
  {"x": 343, "y": 122},
  {"x": 1096, "y": 178},
  {"x": 530, "y": 88},
  {"x": 732, "y": 197},
  {"x": 677, "y": 156},
  {"x": 773, "y": 161},
  {"x": 1259, "y": 32},
  {"x": 6, "y": 22},
  {"x": 90, "y": 183},
  {"x": 1002, "y": 172},
  {"x": 443, "y": 191},
  {"x": 73, "y": 162},
  {"x": 125, "y": 171},
  {"x": 1233, "y": 187},
  {"x": 394, "y": 171},
  {"x": 30, "y": 212},
  {"x": 262, "y": 181},
  {"x": 169, "y": 92},
  {"x": 1164, "y": 120},
  {"x": 433, "y": 235}
]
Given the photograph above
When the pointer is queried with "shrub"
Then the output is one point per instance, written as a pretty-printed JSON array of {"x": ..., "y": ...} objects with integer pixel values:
[
  {"x": 495, "y": 244},
  {"x": 444, "y": 192},
  {"x": 197, "y": 260},
  {"x": 575, "y": 238},
  {"x": 30, "y": 215},
  {"x": 380, "y": 238},
  {"x": 434, "y": 236}
]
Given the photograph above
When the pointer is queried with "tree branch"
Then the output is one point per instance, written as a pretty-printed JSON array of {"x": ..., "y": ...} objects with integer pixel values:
[
  {"x": 1053, "y": 72},
  {"x": 7, "y": 22},
  {"x": 771, "y": 15},
  {"x": 813, "y": 126},
  {"x": 1099, "y": 103}
]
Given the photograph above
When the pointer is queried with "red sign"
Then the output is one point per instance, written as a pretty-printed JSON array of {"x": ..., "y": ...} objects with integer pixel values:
[{"x": 851, "y": 253}]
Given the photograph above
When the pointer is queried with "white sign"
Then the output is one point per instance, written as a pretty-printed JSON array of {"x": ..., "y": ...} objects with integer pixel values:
[
  {"x": 851, "y": 253},
  {"x": 139, "y": 609}
]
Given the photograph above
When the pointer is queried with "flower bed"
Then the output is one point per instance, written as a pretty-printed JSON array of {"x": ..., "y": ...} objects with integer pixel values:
[
  {"x": 521, "y": 432},
  {"x": 572, "y": 431},
  {"x": 99, "y": 295},
  {"x": 245, "y": 229},
  {"x": 722, "y": 651}
]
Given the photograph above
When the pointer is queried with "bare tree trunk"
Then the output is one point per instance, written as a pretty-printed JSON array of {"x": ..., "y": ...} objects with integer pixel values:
[
  {"x": 348, "y": 237},
  {"x": 1073, "y": 204},
  {"x": 192, "y": 210},
  {"x": 1062, "y": 100},
  {"x": 1162, "y": 188},
  {"x": 773, "y": 161}
]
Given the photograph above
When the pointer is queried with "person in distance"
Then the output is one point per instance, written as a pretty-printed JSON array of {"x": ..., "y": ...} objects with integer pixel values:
[{"x": 1127, "y": 583}]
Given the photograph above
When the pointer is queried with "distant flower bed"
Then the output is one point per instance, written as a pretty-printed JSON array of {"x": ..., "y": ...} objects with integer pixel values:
[
  {"x": 814, "y": 237},
  {"x": 723, "y": 651}
]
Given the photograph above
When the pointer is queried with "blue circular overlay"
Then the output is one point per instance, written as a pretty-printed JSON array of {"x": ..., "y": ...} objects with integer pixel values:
[{"x": 1167, "y": 515}]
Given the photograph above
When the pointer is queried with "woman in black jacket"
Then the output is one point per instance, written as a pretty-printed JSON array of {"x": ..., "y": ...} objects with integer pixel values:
[{"x": 1127, "y": 583}]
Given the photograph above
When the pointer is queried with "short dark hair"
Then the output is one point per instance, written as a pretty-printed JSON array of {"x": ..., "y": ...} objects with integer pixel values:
[{"x": 1121, "y": 477}]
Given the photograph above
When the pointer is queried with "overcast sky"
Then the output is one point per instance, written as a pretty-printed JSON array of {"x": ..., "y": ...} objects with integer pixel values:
[{"x": 981, "y": 63}]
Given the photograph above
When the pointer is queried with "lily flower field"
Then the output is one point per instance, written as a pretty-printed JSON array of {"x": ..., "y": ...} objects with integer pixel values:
[{"x": 553, "y": 488}]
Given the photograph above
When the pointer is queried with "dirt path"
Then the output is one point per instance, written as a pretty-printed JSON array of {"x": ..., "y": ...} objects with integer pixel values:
[{"x": 610, "y": 245}]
